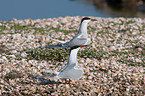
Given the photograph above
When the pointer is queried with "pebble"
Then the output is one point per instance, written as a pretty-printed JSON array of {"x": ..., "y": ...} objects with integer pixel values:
[{"x": 139, "y": 49}]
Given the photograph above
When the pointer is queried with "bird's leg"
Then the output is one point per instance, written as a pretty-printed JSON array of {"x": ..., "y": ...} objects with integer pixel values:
[{"x": 68, "y": 82}]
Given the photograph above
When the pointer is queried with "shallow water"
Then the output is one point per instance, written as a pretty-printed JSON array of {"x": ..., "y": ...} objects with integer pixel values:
[{"x": 38, "y": 9}]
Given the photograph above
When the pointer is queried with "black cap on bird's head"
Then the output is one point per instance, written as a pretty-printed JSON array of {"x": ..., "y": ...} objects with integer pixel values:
[{"x": 87, "y": 18}]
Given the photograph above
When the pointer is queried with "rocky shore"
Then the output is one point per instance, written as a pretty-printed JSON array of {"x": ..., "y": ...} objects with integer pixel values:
[{"x": 114, "y": 62}]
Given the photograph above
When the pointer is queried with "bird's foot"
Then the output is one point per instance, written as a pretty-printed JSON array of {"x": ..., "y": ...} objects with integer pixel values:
[{"x": 68, "y": 82}]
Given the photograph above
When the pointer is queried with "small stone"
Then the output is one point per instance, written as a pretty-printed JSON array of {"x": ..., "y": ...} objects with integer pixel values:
[{"x": 139, "y": 49}]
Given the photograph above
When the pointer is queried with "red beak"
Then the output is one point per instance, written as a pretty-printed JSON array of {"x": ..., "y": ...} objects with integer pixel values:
[
  {"x": 93, "y": 20},
  {"x": 82, "y": 46}
]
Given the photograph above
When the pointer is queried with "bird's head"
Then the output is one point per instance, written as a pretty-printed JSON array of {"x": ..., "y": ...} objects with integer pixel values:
[{"x": 87, "y": 19}]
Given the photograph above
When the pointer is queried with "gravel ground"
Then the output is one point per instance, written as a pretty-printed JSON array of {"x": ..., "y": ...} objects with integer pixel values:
[{"x": 114, "y": 62}]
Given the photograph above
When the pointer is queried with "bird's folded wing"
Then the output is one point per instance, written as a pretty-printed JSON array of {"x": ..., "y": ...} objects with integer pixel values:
[{"x": 62, "y": 42}]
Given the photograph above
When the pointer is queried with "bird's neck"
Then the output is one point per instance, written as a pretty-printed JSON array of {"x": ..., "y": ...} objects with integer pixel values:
[
  {"x": 73, "y": 56},
  {"x": 83, "y": 29}
]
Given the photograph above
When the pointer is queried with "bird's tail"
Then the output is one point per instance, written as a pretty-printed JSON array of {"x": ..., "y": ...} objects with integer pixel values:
[
  {"x": 59, "y": 41},
  {"x": 51, "y": 74},
  {"x": 50, "y": 71},
  {"x": 55, "y": 46},
  {"x": 47, "y": 76}
]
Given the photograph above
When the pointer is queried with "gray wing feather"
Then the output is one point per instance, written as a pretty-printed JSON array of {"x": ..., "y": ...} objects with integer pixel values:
[{"x": 76, "y": 42}]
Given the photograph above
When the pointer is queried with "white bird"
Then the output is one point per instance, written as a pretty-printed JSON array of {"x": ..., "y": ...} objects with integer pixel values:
[
  {"x": 81, "y": 39},
  {"x": 70, "y": 70}
]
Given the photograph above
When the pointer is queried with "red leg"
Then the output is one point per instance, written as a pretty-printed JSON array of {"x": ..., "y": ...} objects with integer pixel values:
[
  {"x": 66, "y": 81},
  {"x": 69, "y": 83}
]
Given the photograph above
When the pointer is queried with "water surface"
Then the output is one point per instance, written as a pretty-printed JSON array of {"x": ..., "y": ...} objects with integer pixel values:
[{"x": 37, "y": 9}]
